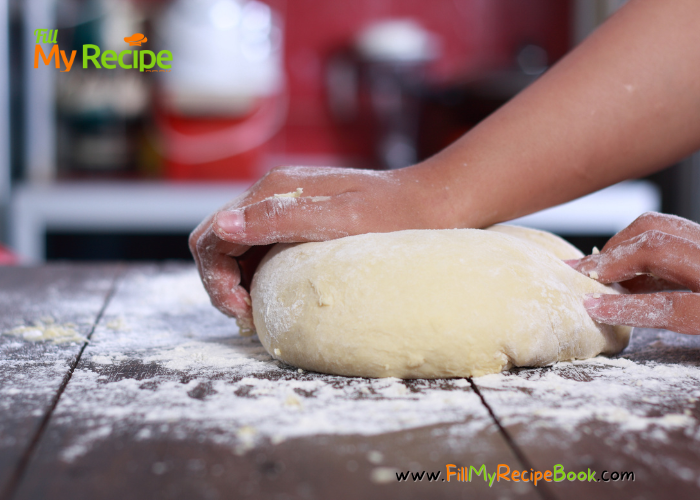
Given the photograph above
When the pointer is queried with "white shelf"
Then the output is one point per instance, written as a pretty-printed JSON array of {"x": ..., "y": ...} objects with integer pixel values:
[
  {"x": 178, "y": 207},
  {"x": 601, "y": 213},
  {"x": 110, "y": 206}
]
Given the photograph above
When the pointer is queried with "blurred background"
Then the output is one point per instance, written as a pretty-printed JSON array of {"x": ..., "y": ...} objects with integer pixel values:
[{"x": 105, "y": 164}]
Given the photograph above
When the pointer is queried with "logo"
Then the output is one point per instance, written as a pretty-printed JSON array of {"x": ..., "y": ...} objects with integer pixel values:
[
  {"x": 136, "y": 39},
  {"x": 143, "y": 60}
]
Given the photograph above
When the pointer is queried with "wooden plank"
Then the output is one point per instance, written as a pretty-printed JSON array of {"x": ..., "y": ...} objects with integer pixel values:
[
  {"x": 638, "y": 412},
  {"x": 169, "y": 402},
  {"x": 59, "y": 297}
]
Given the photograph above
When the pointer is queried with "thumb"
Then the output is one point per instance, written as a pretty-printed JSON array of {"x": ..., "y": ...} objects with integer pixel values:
[
  {"x": 287, "y": 220},
  {"x": 676, "y": 311}
]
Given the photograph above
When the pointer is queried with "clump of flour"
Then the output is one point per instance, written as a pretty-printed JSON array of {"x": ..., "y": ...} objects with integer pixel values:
[{"x": 48, "y": 330}]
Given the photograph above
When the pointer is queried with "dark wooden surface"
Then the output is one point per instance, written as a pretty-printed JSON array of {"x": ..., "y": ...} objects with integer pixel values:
[
  {"x": 167, "y": 401},
  {"x": 32, "y": 373},
  {"x": 638, "y": 413}
]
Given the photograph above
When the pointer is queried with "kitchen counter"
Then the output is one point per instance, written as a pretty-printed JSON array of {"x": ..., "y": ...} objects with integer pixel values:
[{"x": 121, "y": 381}]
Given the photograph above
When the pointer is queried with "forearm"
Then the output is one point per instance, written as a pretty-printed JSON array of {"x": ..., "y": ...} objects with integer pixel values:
[{"x": 625, "y": 103}]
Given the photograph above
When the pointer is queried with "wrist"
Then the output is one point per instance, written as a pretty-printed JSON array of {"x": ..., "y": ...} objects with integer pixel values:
[{"x": 444, "y": 196}]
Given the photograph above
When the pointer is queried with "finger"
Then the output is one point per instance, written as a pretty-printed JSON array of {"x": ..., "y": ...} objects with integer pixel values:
[
  {"x": 670, "y": 224},
  {"x": 312, "y": 180},
  {"x": 271, "y": 213},
  {"x": 287, "y": 220},
  {"x": 221, "y": 277},
  {"x": 665, "y": 256},
  {"x": 639, "y": 284},
  {"x": 676, "y": 311}
]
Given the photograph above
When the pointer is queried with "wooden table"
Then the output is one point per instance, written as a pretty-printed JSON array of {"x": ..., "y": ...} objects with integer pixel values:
[{"x": 165, "y": 400}]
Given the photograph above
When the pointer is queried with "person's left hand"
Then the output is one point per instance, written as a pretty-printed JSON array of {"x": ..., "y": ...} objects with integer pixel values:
[{"x": 656, "y": 252}]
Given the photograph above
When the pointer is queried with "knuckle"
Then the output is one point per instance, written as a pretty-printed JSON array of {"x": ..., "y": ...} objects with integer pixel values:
[
  {"x": 217, "y": 302},
  {"x": 274, "y": 172},
  {"x": 278, "y": 174},
  {"x": 271, "y": 178},
  {"x": 202, "y": 246},
  {"x": 270, "y": 209},
  {"x": 221, "y": 307},
  {"x": 282, "y": 168},
  {"x": 647, "y": 216},
  {"x": 276, "y": 180},
  {"x": 264, "y": 216},
  {"x": 655, "y": 239},
  {"x": 646, "y": 221}
]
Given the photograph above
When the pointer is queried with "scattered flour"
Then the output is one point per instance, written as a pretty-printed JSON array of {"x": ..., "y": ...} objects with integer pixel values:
[
  {"x": 569, "y": 395},
  {"x": 48, "y": 330},
  {"x": 383, "y": 475},
  {"x": 40, "y": 341},
  {"x": 163, "y": 363},
  {"x": 619, "y": 402}
]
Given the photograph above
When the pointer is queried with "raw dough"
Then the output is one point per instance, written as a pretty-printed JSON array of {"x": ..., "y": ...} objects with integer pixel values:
[
  {"x": 562, "y": 249},
  {"x": 428, "y": 304}
]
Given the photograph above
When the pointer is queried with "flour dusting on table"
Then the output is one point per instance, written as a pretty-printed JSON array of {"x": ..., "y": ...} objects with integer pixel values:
[
  {"x": 164, "y": 361},
  {"x": 164, "y": 364}
]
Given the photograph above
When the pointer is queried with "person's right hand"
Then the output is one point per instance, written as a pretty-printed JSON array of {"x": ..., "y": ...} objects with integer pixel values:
[{"x": 333, "y": 203}]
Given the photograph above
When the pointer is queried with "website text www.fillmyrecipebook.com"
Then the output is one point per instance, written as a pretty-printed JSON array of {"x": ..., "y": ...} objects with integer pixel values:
[{"x": 504, "y": 472}]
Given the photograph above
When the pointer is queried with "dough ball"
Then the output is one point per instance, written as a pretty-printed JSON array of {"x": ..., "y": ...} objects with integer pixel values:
[
  {"x": 428, "y": 304},
  {"x": 562, "y": 249}
]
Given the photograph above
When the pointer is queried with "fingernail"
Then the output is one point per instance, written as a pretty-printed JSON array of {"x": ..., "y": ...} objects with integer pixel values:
[
  {"x": 230, "y": 221},
  {"x": 572, "y": 262},
  {"x": 592, "y": 301},
  {"x": 589, "y": 266}
]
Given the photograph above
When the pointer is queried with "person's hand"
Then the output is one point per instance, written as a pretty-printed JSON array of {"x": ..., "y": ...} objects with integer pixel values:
[
  {"x": 318, "y": 204},
  {"x": 656, "y": 252}
]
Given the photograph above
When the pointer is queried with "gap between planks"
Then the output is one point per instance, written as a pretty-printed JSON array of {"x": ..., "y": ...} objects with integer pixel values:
[
  {"x": 23, "y": 463},
  {"x": 542, "y": 492}
]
